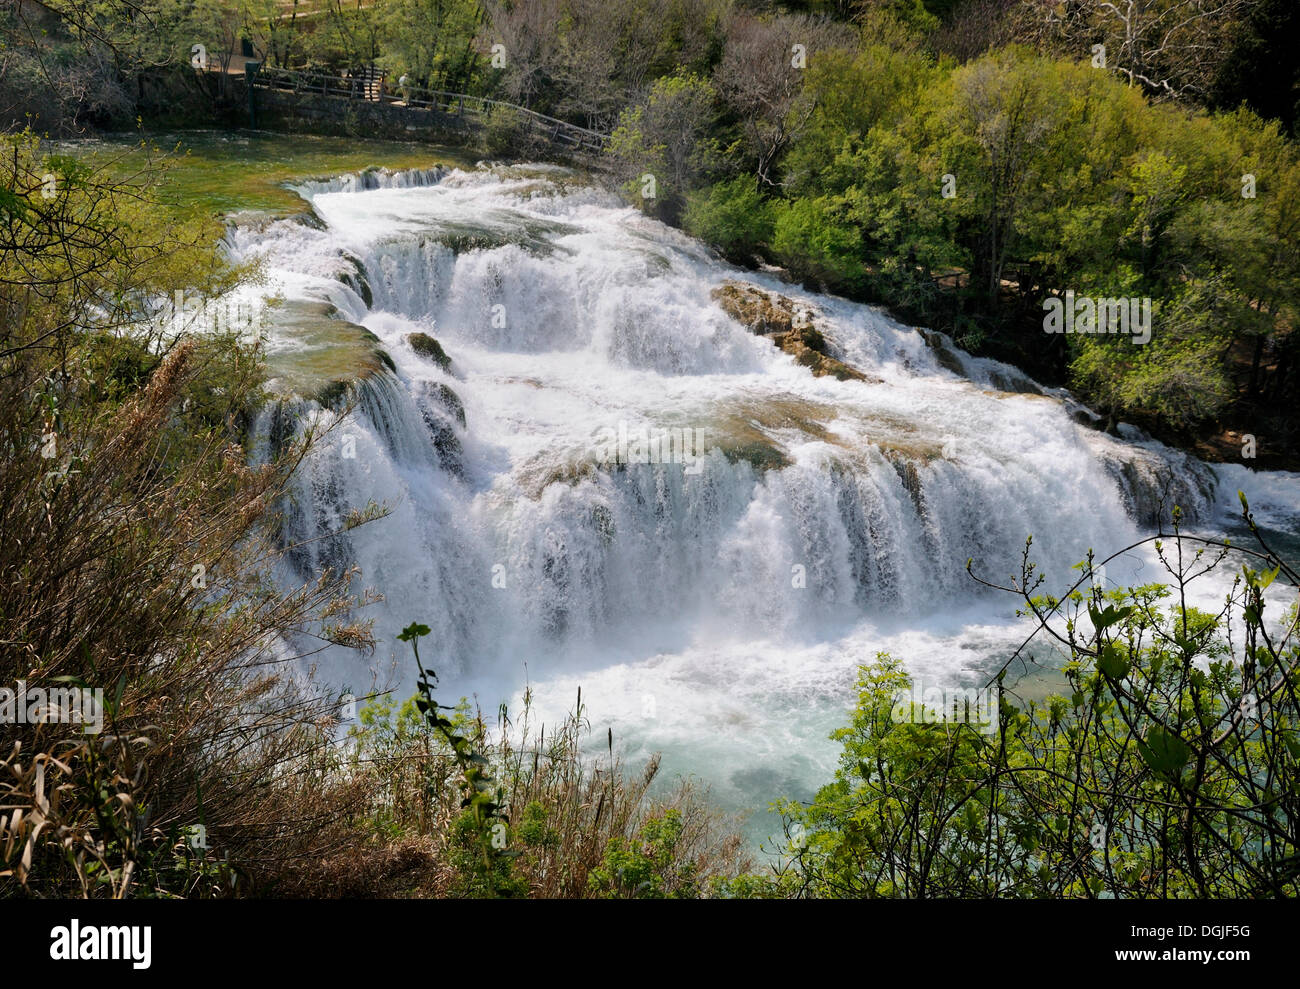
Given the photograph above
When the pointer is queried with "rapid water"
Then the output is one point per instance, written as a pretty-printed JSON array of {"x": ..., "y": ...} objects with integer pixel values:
[{"x": 715, "y": 608}]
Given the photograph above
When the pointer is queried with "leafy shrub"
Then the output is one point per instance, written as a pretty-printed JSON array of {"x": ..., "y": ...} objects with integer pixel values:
[
  {"x": 732, "y": 216},
  {"x": 649, "y": 867},
  {"x": 810, "y": 240},
  {"x": 1167, "y": 769}
]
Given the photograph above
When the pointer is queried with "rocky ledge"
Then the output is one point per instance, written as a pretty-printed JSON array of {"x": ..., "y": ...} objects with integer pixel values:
[{"x": 789, "y": 327}]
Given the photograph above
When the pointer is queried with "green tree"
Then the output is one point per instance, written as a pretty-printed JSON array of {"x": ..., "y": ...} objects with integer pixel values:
[
  {"x": 1167, "y": 768},
  {"x": 815, "y": 240},
  {"x": 432, "y": 42},
  {"x": 662, "y": 145},
  {"x": 731, "y": 214}
]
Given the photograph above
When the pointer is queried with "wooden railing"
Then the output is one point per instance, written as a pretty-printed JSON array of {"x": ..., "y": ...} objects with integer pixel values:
[{"x": 368, "y": 87}]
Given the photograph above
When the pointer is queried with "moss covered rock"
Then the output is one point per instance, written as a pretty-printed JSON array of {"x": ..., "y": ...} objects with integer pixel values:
[
  {"x": 450, "y": 401},
  {"x": 427, "y": 346},
  {"x": 444, "y": 414},
  {"x": 323, "y": 354}
]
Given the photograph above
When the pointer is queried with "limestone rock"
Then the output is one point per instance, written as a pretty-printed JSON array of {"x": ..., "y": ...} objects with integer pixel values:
[{"x": 789, "y": 328}]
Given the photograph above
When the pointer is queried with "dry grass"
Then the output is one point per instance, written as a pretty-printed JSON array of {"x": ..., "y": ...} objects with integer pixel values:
[
  {"x": 564, "y": 805},
  {"x": 144, "y": 574},
  {"x": 136, "y": 560}
]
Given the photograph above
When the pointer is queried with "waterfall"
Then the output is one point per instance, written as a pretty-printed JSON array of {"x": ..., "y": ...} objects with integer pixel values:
[
  {"x": 372, "y": 178},
  {"x": 764, "y": 529}
]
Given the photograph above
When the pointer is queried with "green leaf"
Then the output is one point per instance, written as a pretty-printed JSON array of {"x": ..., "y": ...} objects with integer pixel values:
[
  {"x": 1292, "y": 744},
  {"x": 1112, "y": 662},
  {"x": 1104, "y": 619},
  {"x": 12, "y": 204},
  {"x": 1164, "y": 751},
  {"x": 413, "y": 631}
]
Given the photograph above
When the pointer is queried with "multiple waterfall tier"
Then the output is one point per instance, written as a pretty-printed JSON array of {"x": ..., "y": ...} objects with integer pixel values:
[{"x": 599, "y": 469}]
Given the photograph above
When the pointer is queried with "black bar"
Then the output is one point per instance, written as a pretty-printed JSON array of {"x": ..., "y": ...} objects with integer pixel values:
[{"x": 334, "y": 939}]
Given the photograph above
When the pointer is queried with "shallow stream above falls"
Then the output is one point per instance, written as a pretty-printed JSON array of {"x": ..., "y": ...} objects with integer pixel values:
[{"x": 715, "y": 607}]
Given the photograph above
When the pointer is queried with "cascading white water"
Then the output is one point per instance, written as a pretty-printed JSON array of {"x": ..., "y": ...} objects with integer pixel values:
[{"x": 714, "y": 609}]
